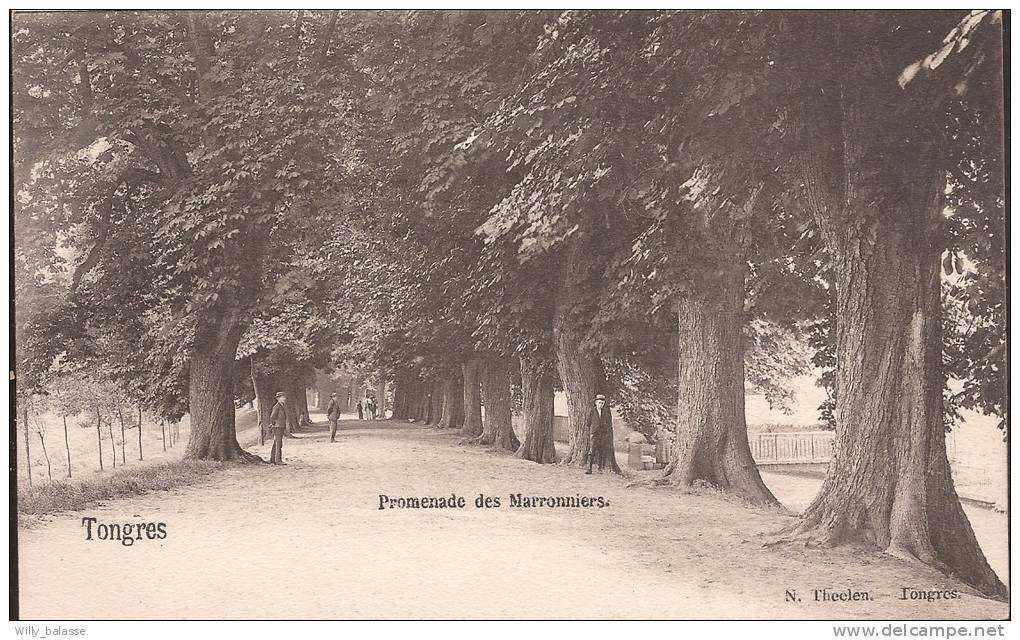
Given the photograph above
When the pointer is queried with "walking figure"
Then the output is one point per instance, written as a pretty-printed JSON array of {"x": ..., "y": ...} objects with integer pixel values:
[
  {"x": 332, "y": 414},
  {"x": 361, "y": 411},
  {"x": 278, "y": 422}
]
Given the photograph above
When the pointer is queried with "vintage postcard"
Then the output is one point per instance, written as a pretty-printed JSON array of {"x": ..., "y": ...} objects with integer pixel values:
[{"x": 510, "y": 315}]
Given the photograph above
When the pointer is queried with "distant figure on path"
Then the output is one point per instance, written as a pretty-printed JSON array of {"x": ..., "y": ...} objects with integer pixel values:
[
  {"x": 371, "y": 407},
  {"x": 278, "y": 422},
  {"x": 332, "y": 414},
  {"x": 361, "y": 411},
  {"x": 600, "y": 425}
]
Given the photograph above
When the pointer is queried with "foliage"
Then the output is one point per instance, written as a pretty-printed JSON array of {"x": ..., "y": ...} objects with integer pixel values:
[
  {"x": 395, "y": 190},
  {"x": 172, "y": 167}
]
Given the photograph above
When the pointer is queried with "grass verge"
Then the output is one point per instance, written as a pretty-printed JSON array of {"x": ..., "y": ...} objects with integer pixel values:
[{"x": 78, "y": 494}]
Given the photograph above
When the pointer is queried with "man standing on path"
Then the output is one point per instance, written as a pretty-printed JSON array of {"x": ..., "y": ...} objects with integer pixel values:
[
  {"x": 600, "y": 426},
  {"x": 278, "y": 422},
  {"x": 332, "y": 414}
]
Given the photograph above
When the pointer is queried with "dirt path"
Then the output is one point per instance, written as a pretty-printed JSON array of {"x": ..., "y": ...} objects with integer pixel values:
[{"x": 308, "y": 540}]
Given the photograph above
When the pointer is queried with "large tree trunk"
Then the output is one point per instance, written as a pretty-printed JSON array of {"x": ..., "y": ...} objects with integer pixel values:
[
  {"x": 415, "y": 397},
  {"x": 401, "y": 389},
  {"x": 431, "y": 403},
  {"x": 420, "y": 406},
  {"x": 580, "y": 369},
  {"x": 264, "y": 385},
  {"x": 211, "y": 393},
  {"x": 417, "y": 400},
  {"x": 537, "y": 388},
  {"x": 498, "y": 424},
  {"x": 453, "y": 403},
  {"x": 298, "y": 390},
  {"x": 876, "y": 190},
  {"x": 346, "y": 395},
  {"x": 380, "y": 396},
  {"x": 323, "y": 387},
  {"x": 472, "y": 398},
  {"x": 711, "y": 431},
  {"x": 435, "y": 413},
  {"x": 288, "y": 378},
  {"x": 889, "y": 482}
]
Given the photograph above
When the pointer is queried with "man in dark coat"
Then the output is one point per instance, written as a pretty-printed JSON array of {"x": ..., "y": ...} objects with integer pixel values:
[
  {"x": 332, "y": 414},
  {"x": 600, "y": 426},
  {"x": 278, "y": 422}
]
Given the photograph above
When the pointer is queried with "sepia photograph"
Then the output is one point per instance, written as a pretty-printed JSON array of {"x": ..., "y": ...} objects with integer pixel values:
[{"x": 335, "y": 314}]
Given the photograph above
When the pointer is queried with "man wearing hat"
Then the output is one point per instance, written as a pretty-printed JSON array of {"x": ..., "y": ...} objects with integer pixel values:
[
  {"x": 332, "y": 414},
  {"x": 600, "y": 426},
  {"x": 278, "y": 422}
]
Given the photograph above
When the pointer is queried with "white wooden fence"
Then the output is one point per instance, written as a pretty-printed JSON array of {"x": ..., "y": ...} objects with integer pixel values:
[{"x": 803, "y": 447}]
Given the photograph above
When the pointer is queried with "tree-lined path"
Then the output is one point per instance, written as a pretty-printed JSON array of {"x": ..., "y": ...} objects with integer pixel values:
[
  {"x": 307, "y": 541},
  {"x": 454, "y": 216}
]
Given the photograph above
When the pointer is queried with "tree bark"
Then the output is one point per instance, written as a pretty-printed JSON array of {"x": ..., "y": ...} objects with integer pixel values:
[
  {"x": 877, "y": 194},
  {"x": 453, "y": 403},
  {"x": 498, "y": 424},
  {"x": 380, "y": 396},
  {"x": 711, "y": 432},
  {"x": 162, "y": 426},
  {"x": 140, "y": 433},
  {"x": 211, "y": 392},
  {"x": 889, "y": 483},
  {"x": 202, "y": 49},
  {"x": 295, "y": 379},
  {"x": 265, "y": 396},
  {"x": 323, "y": 387},
  {"x": 472, "y": 400},
  {"x": 67, "y": 446},
  {"x": 580, "y": 369},
  {"x": 424, "y": 401},
  {"x": 401, "y": 387},
  {"x": 291, "y": 386},
  {"x": 327, "y": 36},
  {"x": 415, "y": 395},
  {"x": 537, "y": 388},
  {"x": 435, "y": 412}
]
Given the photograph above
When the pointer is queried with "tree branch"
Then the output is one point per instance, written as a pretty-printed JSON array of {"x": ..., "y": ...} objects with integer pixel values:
[
  {"x": 297, "y": 29},
  {"x": 201, "y": 47},
  {"x": 102, "y": 234},
  {"x": 328, "y": 36},
  {"x": 85, "y": 83}
]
